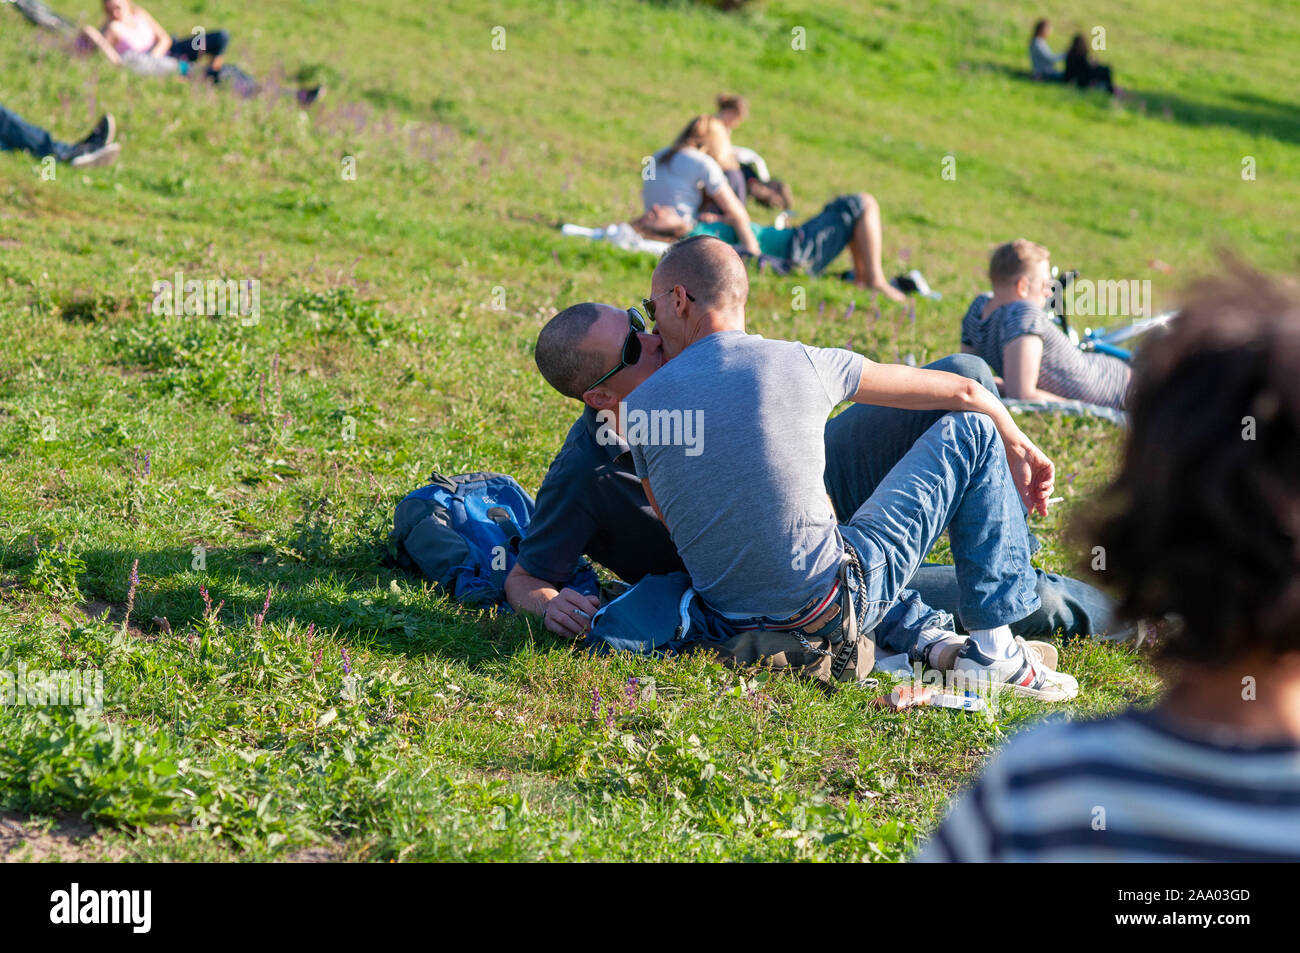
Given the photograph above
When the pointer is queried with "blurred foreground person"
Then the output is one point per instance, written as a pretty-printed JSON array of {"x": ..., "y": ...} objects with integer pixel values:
[{"x": 1201, "y": 533}]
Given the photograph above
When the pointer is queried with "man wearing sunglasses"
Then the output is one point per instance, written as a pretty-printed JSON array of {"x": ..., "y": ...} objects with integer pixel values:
[{"x": 591, "y": 502}]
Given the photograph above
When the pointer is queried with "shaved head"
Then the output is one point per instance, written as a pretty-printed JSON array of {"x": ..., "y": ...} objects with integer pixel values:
[
  {"x": 709, "y": 269},
  {"x": 561, "y": 356}
]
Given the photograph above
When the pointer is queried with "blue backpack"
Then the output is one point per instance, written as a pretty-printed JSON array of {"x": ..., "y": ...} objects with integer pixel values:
[{"x": 463, "y": 533}]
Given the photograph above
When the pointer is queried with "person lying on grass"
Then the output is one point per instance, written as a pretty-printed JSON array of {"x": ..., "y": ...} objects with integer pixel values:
[
  {"x": 96, "y": 148},
  {"x": 1034, "y": 359},
  {"x": 748, "y": 513},
  {"x": 851, "y": 221},
  {"x": 1201, "y": 527}
]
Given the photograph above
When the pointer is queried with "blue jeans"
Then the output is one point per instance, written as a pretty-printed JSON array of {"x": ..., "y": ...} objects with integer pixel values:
[
  {"x": 17, "y": 133},
  {"x": 956, "y": 477},
  {"x": 1070, "y": 607}
]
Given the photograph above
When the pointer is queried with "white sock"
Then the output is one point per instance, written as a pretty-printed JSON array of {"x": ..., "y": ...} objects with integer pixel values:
[{"x": 997, "y": 643}]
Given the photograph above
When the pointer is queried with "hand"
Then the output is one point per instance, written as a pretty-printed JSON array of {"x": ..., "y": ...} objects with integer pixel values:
[
  {"x": 1032, "y": 473},
  {"x": 563, "y": 616}
]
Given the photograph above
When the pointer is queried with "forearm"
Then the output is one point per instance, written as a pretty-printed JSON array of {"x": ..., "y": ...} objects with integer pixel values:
[
  {"x": 913, "y": 388},
  {"x": 102, "y": 44},
  {"x": 527, "y": 593},
  {"x": 744, "y": 235},
  {"x": 734, "y": 214}
]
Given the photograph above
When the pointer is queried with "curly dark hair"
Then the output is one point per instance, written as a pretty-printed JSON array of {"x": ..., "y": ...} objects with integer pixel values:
[{"x": 1203, "y": 520}]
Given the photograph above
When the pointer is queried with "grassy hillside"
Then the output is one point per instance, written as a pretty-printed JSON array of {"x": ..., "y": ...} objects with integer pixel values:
[{"x": 399, "y": 309}]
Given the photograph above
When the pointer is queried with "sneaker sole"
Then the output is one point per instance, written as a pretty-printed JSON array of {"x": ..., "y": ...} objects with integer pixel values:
[
  {"x": 1038, "y": 694},
  {"x": 105, "y": 156}
]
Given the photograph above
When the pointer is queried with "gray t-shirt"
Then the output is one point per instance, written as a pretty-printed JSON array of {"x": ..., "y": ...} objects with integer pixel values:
[
  {"x": 730, "y": 435},
  {"x": 1065, "y": 370},
  {"x": 682, "y": 181}
]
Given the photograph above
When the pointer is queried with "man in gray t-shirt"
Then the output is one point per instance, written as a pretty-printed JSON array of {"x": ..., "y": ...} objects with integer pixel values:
[
  {"x": 727, "y": 438},
  {"x": 783, "y": 548}
]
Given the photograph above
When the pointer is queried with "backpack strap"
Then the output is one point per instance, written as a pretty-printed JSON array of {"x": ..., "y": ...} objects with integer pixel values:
[{"x": 448, "y": 484}]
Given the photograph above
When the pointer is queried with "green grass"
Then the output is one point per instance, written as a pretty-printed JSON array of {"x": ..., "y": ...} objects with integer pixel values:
[{"x": 455, "y": 736}]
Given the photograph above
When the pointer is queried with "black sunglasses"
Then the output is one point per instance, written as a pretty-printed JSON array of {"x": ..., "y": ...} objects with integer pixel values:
[
  {"x": 649, "y": 303},
  {"x": 631, "y": 346}
]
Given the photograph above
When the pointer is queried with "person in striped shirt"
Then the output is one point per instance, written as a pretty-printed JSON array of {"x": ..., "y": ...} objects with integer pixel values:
[
  {"x": 1031, "y": 356},
  {"x": 1201, "y": 536}
]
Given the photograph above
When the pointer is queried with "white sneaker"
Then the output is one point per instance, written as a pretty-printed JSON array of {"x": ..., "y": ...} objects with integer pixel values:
[
  {"x": 943, "y": 653},
  {"x": 105, "y": 156},
  {"x": 1021, "y": 673}
]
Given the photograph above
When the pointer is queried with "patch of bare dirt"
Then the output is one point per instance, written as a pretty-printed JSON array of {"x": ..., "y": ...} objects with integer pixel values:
[
  {"x": 68, "y": 839},
  {"x": 315, "y": 855}
]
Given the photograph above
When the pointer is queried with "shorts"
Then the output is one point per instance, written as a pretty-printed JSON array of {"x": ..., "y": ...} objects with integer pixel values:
[{"x": 819, "y": 240}]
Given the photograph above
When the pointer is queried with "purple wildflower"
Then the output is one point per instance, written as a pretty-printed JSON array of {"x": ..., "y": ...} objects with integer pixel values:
[
  {"x": 207, "y": 599},
  {"x": 347, "y": 662},
  {"x": 630, "y": 690},
  {"x": 848, "y": 312},
  {"x": 595, "y": 703},
  {"x": 317, "y": 660},
  {"x": 148, "y": 456},
  {"x": 311, "y": 633}
]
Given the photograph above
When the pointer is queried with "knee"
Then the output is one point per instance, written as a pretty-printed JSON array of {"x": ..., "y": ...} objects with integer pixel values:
[
  {"x": 971, "y": 365},
  {"x": 979, "y": 427},
  {"x": 868, "y": 201},
  {"x": 218, "y": 40}
]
